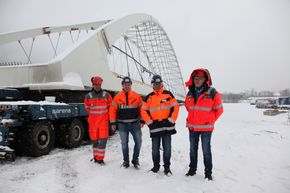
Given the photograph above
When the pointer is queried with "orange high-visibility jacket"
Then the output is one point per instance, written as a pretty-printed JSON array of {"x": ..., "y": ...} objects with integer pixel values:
[
  {"x": 159, "y": 111},
  {"x": 203, "y": 113},
  {"x": 125, "y": 107},
  {"x": 97, "y": 105}
]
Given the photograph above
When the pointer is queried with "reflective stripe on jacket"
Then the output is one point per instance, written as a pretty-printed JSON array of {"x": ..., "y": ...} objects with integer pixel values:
[
  {"x": 160, "y": 111},
  {"x": 125, "y": 107}
]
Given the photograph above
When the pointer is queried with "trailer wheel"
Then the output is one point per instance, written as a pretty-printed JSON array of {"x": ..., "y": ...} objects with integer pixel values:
[
  {"x": 38, "y": 139},
  {"x": 10, "y": 156},
  {"x": 74, "y": 134}
]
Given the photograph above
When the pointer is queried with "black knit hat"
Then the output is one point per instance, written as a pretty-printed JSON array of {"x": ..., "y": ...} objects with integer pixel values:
[
  {"x": 156, "y": 79},
  {"x": 126, "y": 79}
]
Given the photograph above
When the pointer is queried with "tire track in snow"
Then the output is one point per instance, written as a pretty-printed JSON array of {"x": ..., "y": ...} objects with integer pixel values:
[{"x": 67, "y": 174}]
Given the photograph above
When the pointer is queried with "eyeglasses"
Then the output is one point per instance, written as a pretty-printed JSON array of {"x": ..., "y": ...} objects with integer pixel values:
[{"x": 199, "y": 78}]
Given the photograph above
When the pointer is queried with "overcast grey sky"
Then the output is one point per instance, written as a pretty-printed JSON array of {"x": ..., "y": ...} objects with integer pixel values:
[{"x": 244, "y": 43}]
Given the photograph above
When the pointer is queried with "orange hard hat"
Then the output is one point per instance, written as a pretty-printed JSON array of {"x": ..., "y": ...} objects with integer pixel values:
[{"x": 96, "y": 80}]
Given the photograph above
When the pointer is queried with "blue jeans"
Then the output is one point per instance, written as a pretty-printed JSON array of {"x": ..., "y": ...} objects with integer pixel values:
[
  {"x": 166, "y": 144},
  {"x": 206, "y": 149},
  {"x": 134, "y": 129}
]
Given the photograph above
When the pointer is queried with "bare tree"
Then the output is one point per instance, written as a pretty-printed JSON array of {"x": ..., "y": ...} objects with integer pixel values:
[{"x": 285, "y": 92}]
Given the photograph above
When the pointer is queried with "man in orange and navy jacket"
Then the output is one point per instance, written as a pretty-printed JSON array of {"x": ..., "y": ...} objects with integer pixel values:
[
  {"x": 204, "y": 106},
  {"x": 97, "y": 103},
  {"x": 125, "y": 112},
  {"x": 160, "y": 111}
]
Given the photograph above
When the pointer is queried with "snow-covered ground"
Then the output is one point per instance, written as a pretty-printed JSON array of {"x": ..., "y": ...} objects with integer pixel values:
[{"x": 250, "y": 154}]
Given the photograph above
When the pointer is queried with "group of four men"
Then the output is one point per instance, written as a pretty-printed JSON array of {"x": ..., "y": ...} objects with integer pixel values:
[{"x": 159, "y": 111}]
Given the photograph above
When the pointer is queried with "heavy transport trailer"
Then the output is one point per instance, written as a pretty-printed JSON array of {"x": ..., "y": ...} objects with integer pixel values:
[{"x": 34, "y": 128}]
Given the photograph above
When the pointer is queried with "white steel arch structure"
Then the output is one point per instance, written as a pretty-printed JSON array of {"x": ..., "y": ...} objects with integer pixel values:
[{"x": 135, "y": 46}]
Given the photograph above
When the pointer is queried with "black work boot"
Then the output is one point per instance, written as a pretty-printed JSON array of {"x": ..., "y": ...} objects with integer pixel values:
[
  {"x": 136, "y": 163},
  {"x": 155, "y": 169},
  {"x": 191, "y": 172},
  {"x": 125, "y": 164},
  {"x": 208, "y": 177},
  {"x": 101, "y": 162},
  {"x": 167, "y": 171}
]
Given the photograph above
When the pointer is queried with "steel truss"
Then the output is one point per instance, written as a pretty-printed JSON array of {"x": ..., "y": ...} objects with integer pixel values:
[{"x": 144, "y": 50}]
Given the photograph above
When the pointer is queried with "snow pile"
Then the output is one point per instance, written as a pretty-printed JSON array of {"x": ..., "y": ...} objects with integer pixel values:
[
  {"x": 250, "y": 154},
  {"x": 6, "y": 121},
  {"x": 5, "y": 148}
]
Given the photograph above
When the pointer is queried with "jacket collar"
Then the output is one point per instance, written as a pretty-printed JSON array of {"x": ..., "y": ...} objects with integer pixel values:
[
  {"x": 124, "y": 92},
  {"x": 158, "y": 92},
  {"x": 97, "y": 92}
]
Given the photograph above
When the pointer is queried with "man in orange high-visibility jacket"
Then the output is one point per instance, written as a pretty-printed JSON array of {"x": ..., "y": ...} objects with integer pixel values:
[
  {"x": 125, "y": 111},
  {"x": 160, "y": 111},
  {"x": 204, "y": 106},
  {"x": 97, "y": 103}
]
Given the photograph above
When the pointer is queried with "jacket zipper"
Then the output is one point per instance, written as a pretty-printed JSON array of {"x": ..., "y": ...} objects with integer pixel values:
[{"x": 127, "y": 99}]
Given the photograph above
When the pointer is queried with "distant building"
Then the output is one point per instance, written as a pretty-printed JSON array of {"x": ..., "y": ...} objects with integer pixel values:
[
  {"x": 284, "y": 102},
  {"x": 254, "y": 100}
]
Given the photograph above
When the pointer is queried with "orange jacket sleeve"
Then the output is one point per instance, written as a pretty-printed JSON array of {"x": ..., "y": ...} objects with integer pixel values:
[
  {"x": 144, "y": 114},
  {"x": 218, "y": 106},
  {"x": 109, "y": 99},
  {"x": 174, "y": 104},
  {"x": 113, "y": 110},
  {"x": 140, "y": 102},
  {"x": 186, "y": 102}
]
